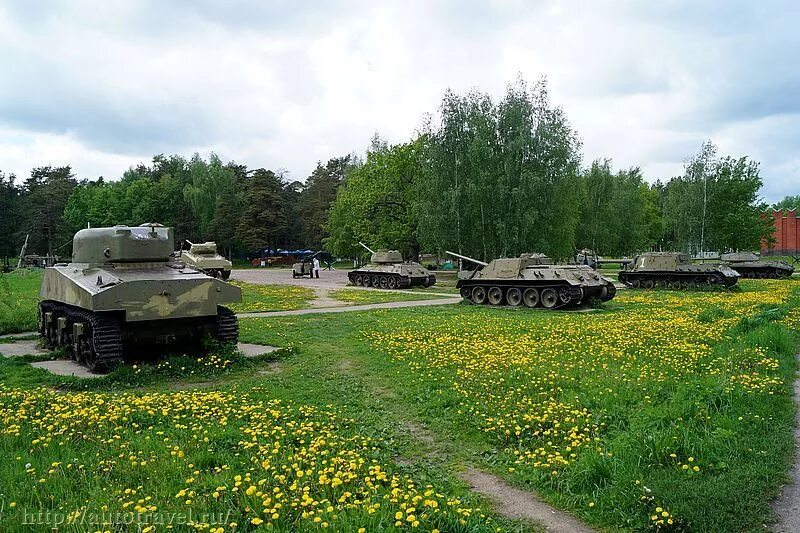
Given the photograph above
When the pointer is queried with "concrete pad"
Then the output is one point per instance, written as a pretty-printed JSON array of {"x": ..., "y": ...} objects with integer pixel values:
[
  {"x": 254, "y": 350},
  {"x": 63, "y": 367},
  {"x": 17, "y": 349}
]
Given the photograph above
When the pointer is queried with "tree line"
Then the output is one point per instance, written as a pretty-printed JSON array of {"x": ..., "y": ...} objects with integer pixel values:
[
  {"x": 491, "y": 179},
  {"x": 244, "y": 211},
  {"x": 482, "y": 177}
]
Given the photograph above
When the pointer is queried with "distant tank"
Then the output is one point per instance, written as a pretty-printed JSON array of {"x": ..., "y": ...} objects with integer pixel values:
[
  {"x": 533, "y": 280},
  {"x": 675, "y": 270},
  {"x": 124, "y": 290},
  {"x": 749, "y": 265},
  {"x": 387, "y": 270},
  {"x": 204, "y": 257}
]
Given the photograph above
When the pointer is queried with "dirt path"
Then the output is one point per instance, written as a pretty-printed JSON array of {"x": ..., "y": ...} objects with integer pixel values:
[
  {"x": 787, "y": 505},
  {"x": 351, "y": 308},
  {"x": 323, "y": 299},
  {"x": 518, "y": 504}
]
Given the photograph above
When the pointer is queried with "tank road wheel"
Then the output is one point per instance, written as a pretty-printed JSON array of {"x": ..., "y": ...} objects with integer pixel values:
[
  {"x": 465, "y": 292},
  {"x": 648, "y": 284},
  {"x": 371, "y": 281},
  {"x": 514, "y": 297},
  {"x": 549, "y": 298},
  {"x": 358, "y": 280},
  {"x": 563, "y": 295},
  {"x": 392, "y": 282},
  {"x": 762, "y": 275},
  {"x": 384, "y": 282},
  {"x": 479, "y": 295},
  {"x": 636, "y": 284},
  {"x": 495, "y": 295},
  {"x": 530, "y": 297}
]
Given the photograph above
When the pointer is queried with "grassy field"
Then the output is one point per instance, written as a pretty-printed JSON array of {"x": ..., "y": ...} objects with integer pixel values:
[
  {"x": 19, "y": 294},
  {"x": 665, "y": 410},
  {"x": 257, "y": 297},
  {"x": 360, "y": 296}
]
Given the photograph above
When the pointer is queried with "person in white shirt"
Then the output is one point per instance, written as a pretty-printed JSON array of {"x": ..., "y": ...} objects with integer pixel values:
[{"x": 315, "y": 270}]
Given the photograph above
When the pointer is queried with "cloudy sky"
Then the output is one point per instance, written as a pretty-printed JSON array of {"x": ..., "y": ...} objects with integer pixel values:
[{"x": 105, "y": 84}]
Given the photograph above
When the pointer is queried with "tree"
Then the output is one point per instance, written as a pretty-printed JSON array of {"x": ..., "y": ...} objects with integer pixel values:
[
  {"x": 788, "y": 202},
  {"x": 500, "y": 179},
  {"x": 375, "y": 203},
  {"x": 316, "y": 198},
  {"x": 46, "y": 192},
  {"x": 10, "y": 200},
  {"x": 262, "y": 217},
  {"x": 208, "y": 181}
]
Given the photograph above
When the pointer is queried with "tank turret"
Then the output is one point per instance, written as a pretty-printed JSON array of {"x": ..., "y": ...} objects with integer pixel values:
[
  {"x": 533, "y": 280},
  {"x": 749, "y": 265},
  {"x": 675, "y": 270},
  {"x": 122, "y": 290},
  {"x": 387, "y": 270}
]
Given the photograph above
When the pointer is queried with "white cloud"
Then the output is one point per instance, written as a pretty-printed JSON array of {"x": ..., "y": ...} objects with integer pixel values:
[{"x": 106, "y": 85}]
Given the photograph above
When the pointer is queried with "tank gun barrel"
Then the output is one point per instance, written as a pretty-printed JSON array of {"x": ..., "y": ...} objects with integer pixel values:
[
  {"x": 464, "y": 257},
  {"x": 370, "y": 250}
]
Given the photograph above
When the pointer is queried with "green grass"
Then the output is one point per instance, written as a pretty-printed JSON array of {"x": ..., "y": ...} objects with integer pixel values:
[
  {"x": 259, "y": 298},
  {"x": 19, "y": 294},
  {"x": 703, "y": 376},
  {"x": 362, "y": 296}
]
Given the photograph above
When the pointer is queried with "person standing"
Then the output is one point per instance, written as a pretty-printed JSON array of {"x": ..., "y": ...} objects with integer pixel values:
[{"x": 315, "y": 269}]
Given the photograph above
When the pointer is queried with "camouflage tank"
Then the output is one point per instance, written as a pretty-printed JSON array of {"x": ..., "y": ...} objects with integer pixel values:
[
  {"x": 387, "y": 270},
  {"x": 749, "y": 265},
  {"x": 124, "y": 290},
  {"x": 533, "y": 280},
  {"x": 675, "y": 270},
  {"x": 204, "y": 257}
]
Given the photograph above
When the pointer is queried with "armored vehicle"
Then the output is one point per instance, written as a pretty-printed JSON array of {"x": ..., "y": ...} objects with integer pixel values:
[
  {"x": 533, "y": 280},
  {"x": 123, "y": 290},
  {"x": 204, "y": 257},
  {"x": 387, "y": 270},
  {"x": 748, "y": 265},
  {"x": 675, "y": 270}
]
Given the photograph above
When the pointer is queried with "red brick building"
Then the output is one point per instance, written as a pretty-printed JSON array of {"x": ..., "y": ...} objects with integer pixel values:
[{"x": 787, "y": 233}]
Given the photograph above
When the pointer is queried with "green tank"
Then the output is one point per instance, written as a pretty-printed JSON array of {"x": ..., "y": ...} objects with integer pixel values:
[
  {"x": 123, "y": 289},
  {"x": 749, "y": 265},
  {"x": 387, "y": 270},
  {"x": 204, "y": 257},
  {"x": 675, "y": 270},
  {"x": 533, "y": 280}
]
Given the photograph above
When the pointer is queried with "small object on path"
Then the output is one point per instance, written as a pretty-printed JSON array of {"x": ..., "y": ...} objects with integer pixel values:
[
  {"x": 65, "y": 367},
  {"x": 20, "y": 348},
  {"x": 254, "y": 350},
  {"x": 518, "y": 504}
]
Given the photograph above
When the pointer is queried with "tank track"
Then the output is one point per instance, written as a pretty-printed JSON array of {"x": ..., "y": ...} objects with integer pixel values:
[
  {"x": 550, "y": 297},
  {"x": 762, "y": 273},
  {"x": 227, "y": 325},
  {"x": 379, "y": 280},
  {"x": 674, "y": 280},
  {"x": 105, "y": 348}
]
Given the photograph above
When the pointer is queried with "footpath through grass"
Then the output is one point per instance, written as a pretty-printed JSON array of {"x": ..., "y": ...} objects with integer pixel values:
[
  {"x": 666, "y": 410},
  {"x": 362, "y": 296}
]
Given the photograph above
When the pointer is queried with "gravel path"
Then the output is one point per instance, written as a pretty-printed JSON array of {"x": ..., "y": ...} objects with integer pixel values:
[
  {"x": 787, "y": 505},
  {"x": 350, "y": 308}
]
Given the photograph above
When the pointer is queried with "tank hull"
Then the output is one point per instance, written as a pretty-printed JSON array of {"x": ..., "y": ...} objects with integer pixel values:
[
  {"x": 765, "y": 270},
  {"x": 685, "y": 279},
  {"x": 392, "y": 276}
]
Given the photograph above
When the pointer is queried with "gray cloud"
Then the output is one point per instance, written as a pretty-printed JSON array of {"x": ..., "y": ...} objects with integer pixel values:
[{"x": 284, "y": 84}]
